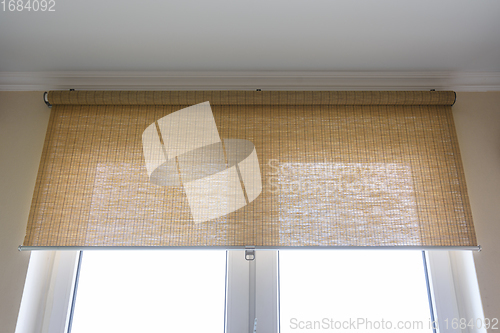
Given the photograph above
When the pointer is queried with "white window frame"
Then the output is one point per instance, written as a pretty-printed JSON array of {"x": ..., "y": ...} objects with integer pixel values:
[
  {"x": 252, "y": 291},
  {"x": 455, "y": 291},
  {"x": 48, "y": 292}
]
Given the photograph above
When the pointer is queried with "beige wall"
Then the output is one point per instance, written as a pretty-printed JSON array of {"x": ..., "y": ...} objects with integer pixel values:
[
  {"x": 23, "y": 122},
  {"x": 477, "y": 119},
  {"x": 24, "y": 118}
]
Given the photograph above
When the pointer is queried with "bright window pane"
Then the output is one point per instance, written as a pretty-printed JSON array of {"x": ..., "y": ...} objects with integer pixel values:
[
  {"x": 151, "y": 291},
  {"x": 356, "y": 291}
]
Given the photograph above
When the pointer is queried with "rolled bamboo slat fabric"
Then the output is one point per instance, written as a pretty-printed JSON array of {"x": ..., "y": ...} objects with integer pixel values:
[
  {"x": 279, "y": 169},
  {"x": 252, "y": 97}
]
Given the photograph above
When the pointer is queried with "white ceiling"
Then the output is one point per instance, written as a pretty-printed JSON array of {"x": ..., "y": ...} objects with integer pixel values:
[{"x": 236, "y": 35}]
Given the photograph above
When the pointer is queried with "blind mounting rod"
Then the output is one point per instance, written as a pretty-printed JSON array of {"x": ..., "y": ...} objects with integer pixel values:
[{"x": 46, "y": 99}]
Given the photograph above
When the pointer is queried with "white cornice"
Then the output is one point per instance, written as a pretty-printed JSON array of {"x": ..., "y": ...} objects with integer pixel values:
[{"x": 265, "y": 80}]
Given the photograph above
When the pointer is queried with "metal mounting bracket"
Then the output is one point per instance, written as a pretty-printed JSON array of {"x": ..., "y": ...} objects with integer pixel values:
[
  {"x": 46, "y": 99},
  {"x": 250, "y": 253}
]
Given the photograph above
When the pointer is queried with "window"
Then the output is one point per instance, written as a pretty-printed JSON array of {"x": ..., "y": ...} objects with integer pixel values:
[
  {"x": 150, "y": 291},
  {"x": 252, "y": 289},
  {"x": 357, "y": 290},
  {"x": 320, "y": 169}
]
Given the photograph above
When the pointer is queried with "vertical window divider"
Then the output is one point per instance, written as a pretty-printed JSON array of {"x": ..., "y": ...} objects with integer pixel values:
[{"x": 75, "y": 291}]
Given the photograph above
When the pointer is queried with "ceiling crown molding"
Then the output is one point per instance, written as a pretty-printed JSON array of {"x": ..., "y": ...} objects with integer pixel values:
[{"x": 251, "y": 80}]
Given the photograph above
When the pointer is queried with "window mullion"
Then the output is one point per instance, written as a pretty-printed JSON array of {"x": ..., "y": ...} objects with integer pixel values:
[
  {"x": 237, "y": 295},
  {"x": 252, "y": 292},
  {"x": 267, "y": 302}
]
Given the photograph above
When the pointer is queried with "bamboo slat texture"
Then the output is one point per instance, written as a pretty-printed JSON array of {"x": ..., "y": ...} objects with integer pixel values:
[{"x": 337, "y": 169}]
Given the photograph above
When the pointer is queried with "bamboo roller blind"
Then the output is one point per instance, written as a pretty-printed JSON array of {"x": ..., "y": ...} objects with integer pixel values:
[{"x": 295, "y": 169}]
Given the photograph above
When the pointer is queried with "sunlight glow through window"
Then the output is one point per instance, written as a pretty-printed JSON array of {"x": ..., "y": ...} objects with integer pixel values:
[
  {"x": 151, "y": 291},
  {"x": 322, "y": 290}
]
